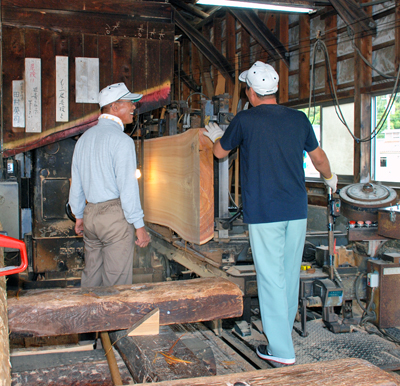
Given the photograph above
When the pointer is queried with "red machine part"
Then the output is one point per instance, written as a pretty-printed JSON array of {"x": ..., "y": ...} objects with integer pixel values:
[{"x": 9, "y": 242}]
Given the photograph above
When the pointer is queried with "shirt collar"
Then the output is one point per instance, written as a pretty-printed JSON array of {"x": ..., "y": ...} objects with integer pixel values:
[{"x": 113, "y": 118}]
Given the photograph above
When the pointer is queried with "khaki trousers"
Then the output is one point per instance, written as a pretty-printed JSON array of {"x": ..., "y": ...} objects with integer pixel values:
[{"x": 109, "y": 245}]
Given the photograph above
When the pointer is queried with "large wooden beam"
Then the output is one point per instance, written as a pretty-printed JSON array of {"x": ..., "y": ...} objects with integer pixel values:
[
  {"x": 81, "y": 310},
  {"x": 340, "y": 372},
  {"x": 178, "y": 184}
]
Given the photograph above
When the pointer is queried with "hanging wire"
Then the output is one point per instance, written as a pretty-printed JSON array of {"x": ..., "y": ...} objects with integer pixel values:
[{"x": 319, "y": 44}]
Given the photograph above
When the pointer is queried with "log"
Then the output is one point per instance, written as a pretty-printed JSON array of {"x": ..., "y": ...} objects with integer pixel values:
[
  {"x": 82, "y": 310},
  {"x": 5, "y": 373},
  {"x": 339, "y": 372},
  {"x": 178, "y": 184},
  {"x": 66, "y": 369},
  {"x": 143, "y": 356}
]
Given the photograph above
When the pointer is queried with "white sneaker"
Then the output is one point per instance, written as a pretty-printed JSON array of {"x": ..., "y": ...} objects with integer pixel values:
[{"x": 262, "y": 352}]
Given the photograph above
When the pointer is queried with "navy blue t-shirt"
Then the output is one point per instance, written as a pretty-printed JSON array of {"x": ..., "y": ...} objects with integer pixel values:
[{"x": 271, "y": 139}]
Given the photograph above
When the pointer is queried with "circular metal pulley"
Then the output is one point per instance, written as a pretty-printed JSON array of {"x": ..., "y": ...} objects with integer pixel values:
[{"x": 360, "y": 202}]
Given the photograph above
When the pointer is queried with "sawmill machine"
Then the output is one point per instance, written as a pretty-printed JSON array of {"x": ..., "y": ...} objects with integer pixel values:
[{"x": 331, "y": 286}]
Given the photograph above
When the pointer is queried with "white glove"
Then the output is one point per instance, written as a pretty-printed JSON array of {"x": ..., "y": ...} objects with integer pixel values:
[
  {"x": 213, "y": 131},
  {"x": 331, "y": 182}
]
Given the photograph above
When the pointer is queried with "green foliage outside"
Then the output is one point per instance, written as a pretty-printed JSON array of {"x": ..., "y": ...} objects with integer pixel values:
[
  {"x": 315, "y": 114},
  {"x": 393, "y": 119}
]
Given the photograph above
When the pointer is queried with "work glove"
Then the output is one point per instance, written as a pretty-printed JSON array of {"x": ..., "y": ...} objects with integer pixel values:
[
  {"x": 331, "y": 182},
  {"x": 213, "y": 131}
]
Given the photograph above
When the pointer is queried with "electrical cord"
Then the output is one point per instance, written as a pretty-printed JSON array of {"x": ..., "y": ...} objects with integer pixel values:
[
  {"x": 319, "y": 44},
  {"x": 368, "y": 314}
]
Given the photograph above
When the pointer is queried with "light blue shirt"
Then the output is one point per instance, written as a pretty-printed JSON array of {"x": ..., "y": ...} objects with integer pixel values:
[{"x": 103, "y": 169}]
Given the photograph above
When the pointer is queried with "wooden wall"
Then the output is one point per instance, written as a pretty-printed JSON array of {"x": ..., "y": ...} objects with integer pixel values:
[
  {"x": 298, "y": 34},
  {"x": 352, "y": 78},
  {"x": 133, "y": 40}
]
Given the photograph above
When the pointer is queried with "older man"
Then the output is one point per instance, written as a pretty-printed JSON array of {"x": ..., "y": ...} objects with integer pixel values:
[
  {"x": 104, "y": 193},
  {"x": 272, "y": 139}
]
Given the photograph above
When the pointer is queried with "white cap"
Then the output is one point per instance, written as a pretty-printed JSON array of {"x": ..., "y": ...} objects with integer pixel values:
[
  {"x": 262, "y": 78},
  {"x": 115, "y": 92}
]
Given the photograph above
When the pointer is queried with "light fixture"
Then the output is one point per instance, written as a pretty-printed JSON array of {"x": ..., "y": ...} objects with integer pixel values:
[
  {"x": 138, "y": 174},
  {"x": 256, "y": 5}
]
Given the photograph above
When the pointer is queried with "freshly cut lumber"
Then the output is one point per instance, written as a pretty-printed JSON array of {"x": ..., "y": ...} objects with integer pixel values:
[
  {"x": 80, "y": 310},
  {"x": 339, "y": 373},
  {"x": 148, "y": 325},
  {"x": 162, "y": 357},
  {"x": 5, "y": 374},
  {"x": 179, "y": 184}
]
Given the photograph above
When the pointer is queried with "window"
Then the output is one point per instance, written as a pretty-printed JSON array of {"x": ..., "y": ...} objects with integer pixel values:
[
  {"x": 333, "y": 138},
  {"x": 385, "y": 147},
  {"x": 336, "y": 140},
  {"x": 315, "y": 118}
]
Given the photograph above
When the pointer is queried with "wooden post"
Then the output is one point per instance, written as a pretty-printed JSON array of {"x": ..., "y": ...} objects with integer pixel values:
[
  {"x": 5, "y": 371},
  {"x": 362, "y": 105},
  {"x": 283, "y": 68},
  {"x": 331, "y": 43},
  {"x": 112, "y": 362},
  {"x": 304, "y": 57}
]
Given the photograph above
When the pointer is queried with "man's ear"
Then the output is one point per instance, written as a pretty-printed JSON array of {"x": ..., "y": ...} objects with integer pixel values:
[{"x": 114, "y": 107}]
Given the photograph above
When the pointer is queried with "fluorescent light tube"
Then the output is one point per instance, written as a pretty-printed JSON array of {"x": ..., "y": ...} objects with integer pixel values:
[{"x": 255, "y": 5}]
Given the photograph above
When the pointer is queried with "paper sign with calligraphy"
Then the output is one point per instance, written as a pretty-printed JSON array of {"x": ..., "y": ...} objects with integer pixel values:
[
  {"x": 18, "y": 103},
  {"x": 33, "y": 95},
  {"x": 62, "y": 89},
  {"x": 87, "y": 80}
]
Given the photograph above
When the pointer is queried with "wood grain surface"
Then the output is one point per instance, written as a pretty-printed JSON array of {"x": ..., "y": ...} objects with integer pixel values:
[
  {"x": 342, "y": 372},
  {"x": 178, "y": 184},
  {"x": 80, "y": 310}
]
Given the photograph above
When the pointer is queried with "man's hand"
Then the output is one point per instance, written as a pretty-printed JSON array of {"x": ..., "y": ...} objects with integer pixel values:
[
  {"x": 331, "y": 182},
  {"x": 143, "y": 237},
  {"x": 213, "y": 131},
  {"x": 79, "y": 226}
]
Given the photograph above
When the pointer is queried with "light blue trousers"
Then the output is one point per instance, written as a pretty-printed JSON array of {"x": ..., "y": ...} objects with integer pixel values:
[{"x": 277, "y": 250}]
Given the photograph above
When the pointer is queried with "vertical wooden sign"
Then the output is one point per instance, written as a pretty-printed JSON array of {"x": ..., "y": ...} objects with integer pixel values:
[
  {"x": 33, "y": 95},
  {"x": 18, "y": 103},
  {"x": 87, "y": 80},
  {"x": 62, "y": 89}
]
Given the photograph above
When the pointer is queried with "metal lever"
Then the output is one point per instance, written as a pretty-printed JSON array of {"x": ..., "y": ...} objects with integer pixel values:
[{"x": 9, "y": 242}]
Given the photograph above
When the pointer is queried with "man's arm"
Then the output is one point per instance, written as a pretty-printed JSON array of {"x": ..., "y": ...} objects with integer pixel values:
[
  {"x": 218, "y": 150},
  {"x": 321, "y": 162}
]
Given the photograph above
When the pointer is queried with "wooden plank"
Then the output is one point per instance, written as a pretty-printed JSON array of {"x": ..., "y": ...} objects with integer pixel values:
[
  {"x": 178, "y": 184},
  {"x": 142, "y": 355},
  {"x": 283, "y": 68},
  {"x": 147, "y": 10},
  {"x": 362, "y": 106},
  {"x": 148, "y": 325},
  {"x": 47, "y": 55},
  {"x": 5, "y": 370},
  {"x": 80, "y": 310},
  {"x": 340, "y": 372},
  {"x": 47, "y": 28},
  {"x": 331, "y": 43},
  {"x": 304, "y": 57}
]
